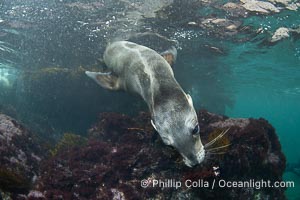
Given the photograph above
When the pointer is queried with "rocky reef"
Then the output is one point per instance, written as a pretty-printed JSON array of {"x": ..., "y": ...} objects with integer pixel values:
[
  {"x": 21, "y": 154},
  {"x": 121, "y": 151}
]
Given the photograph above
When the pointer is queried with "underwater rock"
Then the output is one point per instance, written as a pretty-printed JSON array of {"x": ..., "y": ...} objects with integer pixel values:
[
  {"x": 289, "y": 4},
  {"x": 293, "y": 6},
  {"x": 259, "y": 6},
  {"x": 21, "y": 154},
  {"x": 284, "y": 2},
  {"x": 122, "y": 151},
  {"x": 235, "y": 9},
  {"x": 220, "y": 26},
  {"x": 280, "y": 34},
  {"x": 86, "y": 6},
  {"x": 231, "y": 5}
]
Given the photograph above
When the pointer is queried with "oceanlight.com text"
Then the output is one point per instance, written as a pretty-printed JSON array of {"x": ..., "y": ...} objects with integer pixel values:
[{"x": 221, "y": 183}]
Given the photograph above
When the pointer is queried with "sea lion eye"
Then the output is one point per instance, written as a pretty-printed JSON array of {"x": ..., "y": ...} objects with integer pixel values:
[{"x": 195, "y": 130}]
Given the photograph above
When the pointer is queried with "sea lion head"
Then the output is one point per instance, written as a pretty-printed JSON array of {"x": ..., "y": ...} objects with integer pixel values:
[{"x": 177, "y": 124}]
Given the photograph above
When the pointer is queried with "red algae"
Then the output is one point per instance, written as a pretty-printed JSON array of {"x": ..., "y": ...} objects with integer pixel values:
[{"x": 123, "y": 151}]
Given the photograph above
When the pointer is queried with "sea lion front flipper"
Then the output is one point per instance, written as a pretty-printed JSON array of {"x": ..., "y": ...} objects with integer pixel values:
[{"x": 106, "y": 80}]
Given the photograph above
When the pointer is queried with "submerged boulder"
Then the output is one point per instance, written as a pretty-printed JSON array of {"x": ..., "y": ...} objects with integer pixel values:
[
  {"x": 125, "y": 159},
  {"x": 20, "y": 157}
]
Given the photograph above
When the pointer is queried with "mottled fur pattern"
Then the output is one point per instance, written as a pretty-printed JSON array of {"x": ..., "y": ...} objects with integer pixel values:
[{"x": 141, "y": 70}]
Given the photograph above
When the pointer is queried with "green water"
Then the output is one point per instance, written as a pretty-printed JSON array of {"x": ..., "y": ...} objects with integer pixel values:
[
  {"x": 266, "y": 84},
  {"x": 245, "y": 79}
]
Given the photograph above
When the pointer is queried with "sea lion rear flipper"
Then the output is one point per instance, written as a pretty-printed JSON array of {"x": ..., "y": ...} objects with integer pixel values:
[
  {"x": 161, "y": 44},
  {"x": 170, "y": 55},
  {"x": 106, "y": 80}
]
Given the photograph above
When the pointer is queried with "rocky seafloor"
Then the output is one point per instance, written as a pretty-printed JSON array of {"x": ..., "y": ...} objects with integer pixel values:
[{"x": 120, "y": 151}]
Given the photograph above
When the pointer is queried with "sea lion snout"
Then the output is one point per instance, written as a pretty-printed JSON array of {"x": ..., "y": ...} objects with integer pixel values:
[
  {"x": 192, "y": 150},
  {"x": 194, "y": 159},
  {"x": 181, "y": 138}
]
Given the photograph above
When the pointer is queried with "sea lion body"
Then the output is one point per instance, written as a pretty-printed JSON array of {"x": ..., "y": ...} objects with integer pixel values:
[{"x": 141, "y": 70}]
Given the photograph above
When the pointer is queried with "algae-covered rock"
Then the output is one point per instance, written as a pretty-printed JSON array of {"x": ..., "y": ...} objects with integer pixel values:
[
  {"x": 122, "y": 151},
  {"x": 21, "y": 154},
  {"x": 68, "y": 141}
]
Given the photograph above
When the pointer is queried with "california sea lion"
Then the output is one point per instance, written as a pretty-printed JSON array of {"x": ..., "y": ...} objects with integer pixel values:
[{"x": 141, "y": 70}]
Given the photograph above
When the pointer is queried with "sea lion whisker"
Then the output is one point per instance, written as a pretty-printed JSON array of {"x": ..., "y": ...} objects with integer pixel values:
[
  {"x": 216, "y": 148},
  {"x": 216, "y": 138},
  {"x": 216, "y": 153}
]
